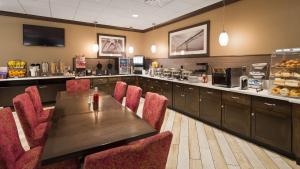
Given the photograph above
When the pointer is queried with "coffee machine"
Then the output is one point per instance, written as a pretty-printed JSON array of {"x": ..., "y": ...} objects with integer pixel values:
[{"x": 138, "y": 64}]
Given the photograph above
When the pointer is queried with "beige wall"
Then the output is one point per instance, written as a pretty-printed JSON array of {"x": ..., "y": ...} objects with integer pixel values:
[
  {"x": 254, "y": 27},
  {"x": 78, "y": 40}
]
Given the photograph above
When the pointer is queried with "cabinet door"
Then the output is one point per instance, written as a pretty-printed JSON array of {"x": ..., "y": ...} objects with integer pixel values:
[
  {"x": 210, "y": 106},
  {"x": 101, "y": 83},
  {"x": 192, "y": 100},
  {"x": 112, "y": 81},
  {"x": 166, "y": 90},
  {"x": 178, "y": 97},
  {"x": 236, "y": 113},
  {"x": 296, "y": 131},
  {"x": 271, "y": 123},
  {"x": 9, "y": 90},
  {"x": 48, "y": 91},
  {"x": 130, "y": 80}
]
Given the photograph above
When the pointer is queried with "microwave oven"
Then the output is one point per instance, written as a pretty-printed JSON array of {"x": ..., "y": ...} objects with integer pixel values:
[{"x": 226, "y": 77}]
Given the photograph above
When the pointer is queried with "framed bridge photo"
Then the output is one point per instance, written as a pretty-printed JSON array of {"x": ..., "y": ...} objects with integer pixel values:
[
  {"x": 191, "y": 41},
  {"x": 111, "y": 45}
]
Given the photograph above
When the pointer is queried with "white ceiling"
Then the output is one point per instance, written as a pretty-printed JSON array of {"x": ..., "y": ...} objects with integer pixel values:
[{"x": 107, "y": 12}]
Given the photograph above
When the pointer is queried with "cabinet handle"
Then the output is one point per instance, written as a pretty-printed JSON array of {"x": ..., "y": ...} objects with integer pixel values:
[
  {"x": 182, "y": 95},
  {"x": 166, "y": 83},
  {"x": 234, "y": 97},
  {"x": 209, "y": 92},
  {"x": 191, "y": 88},
  {"x": 270, "y": 104},
  {"x": 222, "y": 106},
  {"x": 43, "y": 87},
  {"x": 200, "y": 100},
  {"x": 252, "y": 114},
  {"x": 151, "y": 87},
  {"x": 177, "y": 86}
]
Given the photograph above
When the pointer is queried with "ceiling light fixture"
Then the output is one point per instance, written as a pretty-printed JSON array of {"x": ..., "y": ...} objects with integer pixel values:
[
  {"x": 135, "y": 15},
  {"x": 95, "y": 45},
  {"x": 157, "y": 3},
  {"x": 223, "y": 38}
]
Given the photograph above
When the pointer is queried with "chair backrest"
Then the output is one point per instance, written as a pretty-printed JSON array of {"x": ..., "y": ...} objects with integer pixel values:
[
  {"x": 72, "y": 85},
  {"x": 120, "y": 91},
  {"x": 10, "y": 145},
  {"x": 78, "y": 85},
  {"x": 133, "y": 95},
  {"x": 26, "y": 113},
  {"x": 154, "y": 109},
  {"x": 85, "y": 84},
  {"x": 34, "y": 94},
  {"x": 151, "y": 152}
]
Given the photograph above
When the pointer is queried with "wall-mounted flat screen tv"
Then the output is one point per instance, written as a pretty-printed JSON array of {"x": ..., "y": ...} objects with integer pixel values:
[{"x": 43, "y": 36}]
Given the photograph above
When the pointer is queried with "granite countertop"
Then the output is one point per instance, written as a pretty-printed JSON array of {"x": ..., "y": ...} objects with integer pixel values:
[
  {"x": 36, "y": 78},
  {"x": 252, "y": 92}
]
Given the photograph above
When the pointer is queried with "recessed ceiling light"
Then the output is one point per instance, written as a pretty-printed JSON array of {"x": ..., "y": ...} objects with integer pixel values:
[{"x": 135, "y": 15}]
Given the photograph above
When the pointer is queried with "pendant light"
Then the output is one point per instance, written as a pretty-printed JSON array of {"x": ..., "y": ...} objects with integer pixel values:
[
  {"x": 95, "y": 45},
  {"x": 153, "y": 47},
  {"x": 223, "y": 38}
]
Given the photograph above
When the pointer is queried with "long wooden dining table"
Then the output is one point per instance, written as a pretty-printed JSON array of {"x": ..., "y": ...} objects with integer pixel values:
[{"x": 79, "y": 128}]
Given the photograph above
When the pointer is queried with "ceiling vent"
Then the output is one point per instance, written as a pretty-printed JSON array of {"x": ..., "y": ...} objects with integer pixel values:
[{"x": 157, "y": 3}]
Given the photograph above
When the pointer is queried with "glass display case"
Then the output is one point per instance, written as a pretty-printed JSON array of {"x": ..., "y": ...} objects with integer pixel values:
[{"x": 285, "y": 73}]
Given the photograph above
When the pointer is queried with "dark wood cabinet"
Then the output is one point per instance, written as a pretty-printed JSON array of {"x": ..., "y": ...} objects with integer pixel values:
[
  {"x": 9, "y": 90},
  {"x": 272, "y": 122},
  {"x": 296, "y": 131},
  {"x": 236, "y": 110},
  {"x": 130, "y": 80},
  {"x": 49, "y": 88},
  {"x": 192, "y": 100},
  {"x": 101, "y": 83},
  {"x": 186, "y": 99},
  {"x": 210, "y": 106},
  {"x": 167, "y": 91},
  {"x": 111, "y": 84},
  {"x": 178, "y": 97}
]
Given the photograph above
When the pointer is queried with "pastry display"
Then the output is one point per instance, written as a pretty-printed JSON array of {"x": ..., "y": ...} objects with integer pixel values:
[
  {"x": 294, "y": 93},
  {"x": 276, "y": 90},
  {"x": 284, "y": 92},
  {"x": 285, "y": 74},
  {"x": 279, "y": 81},
  {"x": 291, "y": 83},
  {"x": 291, "y": 63}
]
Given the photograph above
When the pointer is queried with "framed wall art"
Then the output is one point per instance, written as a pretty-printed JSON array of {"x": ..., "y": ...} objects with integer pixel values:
[
  {"x": 191, "y": 41},
  {"x": 111, "y": 45}
]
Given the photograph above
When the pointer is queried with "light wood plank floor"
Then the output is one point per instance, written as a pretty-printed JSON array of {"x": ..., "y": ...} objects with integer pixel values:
[{"x": 196, "y": 145}]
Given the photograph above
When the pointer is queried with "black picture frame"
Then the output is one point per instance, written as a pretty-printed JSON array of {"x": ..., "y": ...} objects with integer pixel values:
[
  {"x": 206, "y": 41},
  {"x": 102, "y": 55}
]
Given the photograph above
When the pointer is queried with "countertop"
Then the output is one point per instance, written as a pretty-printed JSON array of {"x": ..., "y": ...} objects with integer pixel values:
[
  {"x": 252, "y": 92},
  {"x": 36, "y": 78}
]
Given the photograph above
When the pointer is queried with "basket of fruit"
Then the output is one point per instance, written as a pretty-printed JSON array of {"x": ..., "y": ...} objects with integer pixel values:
[{"x": 16, "y": 68}]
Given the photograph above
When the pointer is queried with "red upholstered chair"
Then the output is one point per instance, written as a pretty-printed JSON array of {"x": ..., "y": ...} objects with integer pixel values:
[
  {"x": 12, "y": 154},
  {"x": 133, "y": 96},
  {"x": 154, "y": 109},
  {"x": 43, "y": 115},
  {"x": 84, "y": 84},
  {"x": 78, "y": 85},
  {"x": 120, "y": 91},
  {"x": 148, "y": 153},
  {"x": 72, "y": 85},
  {"x": 35, "y": 132}
]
